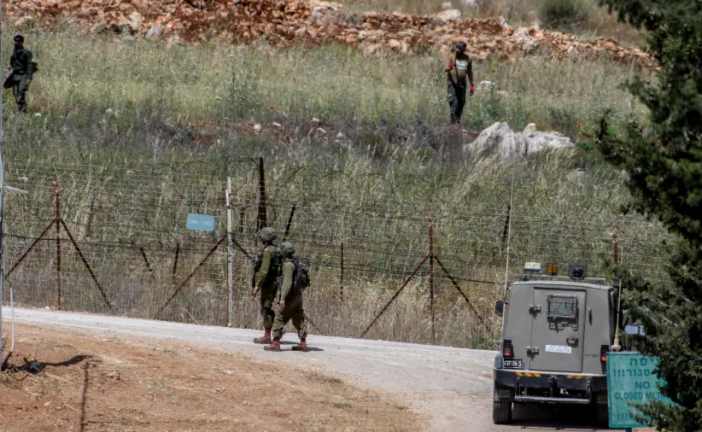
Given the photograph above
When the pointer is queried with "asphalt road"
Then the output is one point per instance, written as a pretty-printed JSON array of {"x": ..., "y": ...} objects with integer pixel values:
[{"x": 452, "y": 386}]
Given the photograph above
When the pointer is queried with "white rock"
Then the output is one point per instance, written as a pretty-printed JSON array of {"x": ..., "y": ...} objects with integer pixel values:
[
  {"x": 257, "y": 128},
  {"x": 448, "y": 15},
  {"x": 529, "y": 129},
  {"x": 486, "y": 86},
  {"x": 277, "y": 125},
  {"x": 504, "y": 23},
  {"x": 154, "y": 32},
  {"x": 501, "y": 141},
  {"x": 135, "y": 22},
  {"x": 526, "y": 41},
  {"x": 37, "y": 115},
  {"x": 315, "y": 120},
  {"x": 446, "y": 5}
]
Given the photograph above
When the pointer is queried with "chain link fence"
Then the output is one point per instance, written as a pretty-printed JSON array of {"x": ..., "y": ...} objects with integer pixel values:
[{"x": 88, "y": 238}]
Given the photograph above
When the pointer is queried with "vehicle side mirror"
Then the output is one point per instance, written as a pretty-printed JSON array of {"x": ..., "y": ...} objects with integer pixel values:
[{"x": 499, "y": 308}]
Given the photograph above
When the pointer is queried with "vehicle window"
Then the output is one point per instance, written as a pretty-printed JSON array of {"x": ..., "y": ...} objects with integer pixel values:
[{"x": 562, "y": 306}]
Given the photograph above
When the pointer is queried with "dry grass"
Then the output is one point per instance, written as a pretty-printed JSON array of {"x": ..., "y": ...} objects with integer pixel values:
[{"x": 139, "y": 135}]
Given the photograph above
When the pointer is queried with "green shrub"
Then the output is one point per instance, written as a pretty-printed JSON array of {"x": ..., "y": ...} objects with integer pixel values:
[{"x": 567, "y": 15}]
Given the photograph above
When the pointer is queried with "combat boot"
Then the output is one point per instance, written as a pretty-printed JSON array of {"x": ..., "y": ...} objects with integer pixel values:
[
  {"x": 266, "y": 339},
  {"x": 301, "y": 347},
  {"x": 275, "y": 346}
]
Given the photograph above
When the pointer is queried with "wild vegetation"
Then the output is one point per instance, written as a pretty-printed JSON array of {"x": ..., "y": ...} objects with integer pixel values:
[{"x": 139, "y": 135}]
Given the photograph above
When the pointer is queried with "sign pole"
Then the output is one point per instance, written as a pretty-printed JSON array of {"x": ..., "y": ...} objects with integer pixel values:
[
  {"x": 2, "y": 187},
  {"x": 230, "y": 253}
]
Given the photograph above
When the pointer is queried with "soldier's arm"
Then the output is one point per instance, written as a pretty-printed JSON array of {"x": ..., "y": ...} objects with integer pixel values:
[
  {"x": 288, "y": 269},
  {"x": 29, "y": 65},
  {"x": 470, "y": 70},
  {"x": 265, "y": 266}
]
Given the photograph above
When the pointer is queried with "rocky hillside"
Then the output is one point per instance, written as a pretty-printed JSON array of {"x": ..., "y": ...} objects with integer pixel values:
[{"x": 287, "y": 22}]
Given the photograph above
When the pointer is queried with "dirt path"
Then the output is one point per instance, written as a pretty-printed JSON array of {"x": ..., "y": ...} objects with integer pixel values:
[{"x": 452, "y": 386}]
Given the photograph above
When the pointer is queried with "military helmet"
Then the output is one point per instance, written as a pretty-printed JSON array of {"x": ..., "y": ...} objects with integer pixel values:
[
  {"x": 268, "y": 234},
  {"x": 287, "y": 248},
  {"x": 18, "y": 38},
  {"x": 461, "y": 46}
]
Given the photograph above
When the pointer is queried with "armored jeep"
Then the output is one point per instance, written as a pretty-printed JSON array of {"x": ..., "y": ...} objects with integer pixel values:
[{"x": 556, "y": 333}]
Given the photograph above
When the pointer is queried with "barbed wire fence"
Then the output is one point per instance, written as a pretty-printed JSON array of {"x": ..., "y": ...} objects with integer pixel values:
[{"x": 89, "y": 238}]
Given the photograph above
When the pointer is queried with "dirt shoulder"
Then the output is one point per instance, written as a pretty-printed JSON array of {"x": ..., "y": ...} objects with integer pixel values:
[{"x": 136, "y": 384}]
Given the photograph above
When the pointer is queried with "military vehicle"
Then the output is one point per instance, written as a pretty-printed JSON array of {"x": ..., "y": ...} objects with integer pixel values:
[{"x": 556, "y": 333}]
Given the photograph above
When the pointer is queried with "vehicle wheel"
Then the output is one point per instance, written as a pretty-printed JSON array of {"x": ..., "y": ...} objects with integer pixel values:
[{"x": 501, "y": 411}]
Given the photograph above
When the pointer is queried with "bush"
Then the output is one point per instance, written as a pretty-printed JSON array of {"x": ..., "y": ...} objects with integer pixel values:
[{"x": 567, "y": 15}]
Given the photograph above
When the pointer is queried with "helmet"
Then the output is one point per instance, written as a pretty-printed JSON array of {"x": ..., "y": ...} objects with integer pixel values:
[
  {"x": 461, "y": 46},
  {"x": 268, "y": 234},
  {"x": 287, "y": 248},
  {"x": 18, "y": 38}
]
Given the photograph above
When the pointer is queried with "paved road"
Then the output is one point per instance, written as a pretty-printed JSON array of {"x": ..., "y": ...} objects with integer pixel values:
[{"x": 453, "y": 386}]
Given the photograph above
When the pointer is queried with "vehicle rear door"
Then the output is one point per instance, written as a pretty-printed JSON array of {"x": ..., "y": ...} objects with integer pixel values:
[{"x": 557, "y": 330}]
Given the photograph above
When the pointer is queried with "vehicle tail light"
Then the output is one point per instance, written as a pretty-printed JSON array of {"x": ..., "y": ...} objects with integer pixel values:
[
  {"x": 507, "y": 349},
  {"x": 603, "y": 353}
]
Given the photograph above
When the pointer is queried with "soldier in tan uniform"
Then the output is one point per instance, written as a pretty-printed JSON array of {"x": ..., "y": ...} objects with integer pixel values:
[
  {"x": 267, "y": 268},
  {"x": 291, "y": 302}
]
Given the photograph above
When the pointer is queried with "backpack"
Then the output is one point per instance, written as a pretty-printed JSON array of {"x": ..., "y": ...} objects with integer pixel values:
[
  {"x": 275, "y": 269},
  {"x": 301, "y": 275}
]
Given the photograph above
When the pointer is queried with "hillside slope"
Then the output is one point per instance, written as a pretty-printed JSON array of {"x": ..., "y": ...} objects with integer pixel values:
[{"x": 288, "y": 22}]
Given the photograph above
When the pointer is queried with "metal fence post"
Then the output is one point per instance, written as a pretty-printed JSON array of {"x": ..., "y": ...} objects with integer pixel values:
[
  {"x": 341, "y": 275},
  {"x": 230, "y": 256},
  {"x": 431, "y": 276},
  {"x": 57, "y": 191}
]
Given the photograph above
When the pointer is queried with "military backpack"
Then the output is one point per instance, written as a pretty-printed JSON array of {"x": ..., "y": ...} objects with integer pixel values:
[
  {"x": 275, "y": 269},
  {"x": 301, "y": 274}
]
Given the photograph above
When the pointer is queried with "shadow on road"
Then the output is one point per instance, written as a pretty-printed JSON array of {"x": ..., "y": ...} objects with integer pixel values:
[{"x": 561, "y": 418}]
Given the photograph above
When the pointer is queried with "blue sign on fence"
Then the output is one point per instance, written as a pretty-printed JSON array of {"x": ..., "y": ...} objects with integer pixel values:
[
  {"x": 630, "y": 380},
  {"x": 200, "y": 222}
]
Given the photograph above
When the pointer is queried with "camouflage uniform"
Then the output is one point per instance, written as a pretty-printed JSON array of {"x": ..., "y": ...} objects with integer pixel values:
[
  {"x": 22, "y": 73},
  {"x": 267, "y": 284},
  {"x": 293, "y": 310}
]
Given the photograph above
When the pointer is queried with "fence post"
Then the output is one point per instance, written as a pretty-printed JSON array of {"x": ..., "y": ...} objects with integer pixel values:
[
  {"x": 341, "y": 275},
  {"x": 431, "y": 276},
  {"x": 262, "y": 220},
  {"x": 57, "y": 191},
  {"x": 175, "y": 264},
  {"x": 230, "y": 256}
]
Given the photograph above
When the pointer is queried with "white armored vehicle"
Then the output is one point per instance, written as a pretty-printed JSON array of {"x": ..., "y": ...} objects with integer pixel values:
[{"x": 556, "y": 333}]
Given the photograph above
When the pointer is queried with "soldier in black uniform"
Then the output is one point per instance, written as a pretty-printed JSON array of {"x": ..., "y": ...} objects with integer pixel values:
[{"x": 23, "y": 69}]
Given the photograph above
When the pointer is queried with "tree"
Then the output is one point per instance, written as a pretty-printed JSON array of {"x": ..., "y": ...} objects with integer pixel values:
[{"x": 663, "y": 160}]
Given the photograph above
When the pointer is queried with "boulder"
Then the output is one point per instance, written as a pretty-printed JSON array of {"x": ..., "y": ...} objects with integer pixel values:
[
  {"x": 523, "y": 38},
  {"x": 499, "y": 140},
  {"x": 448, "y": 15}
]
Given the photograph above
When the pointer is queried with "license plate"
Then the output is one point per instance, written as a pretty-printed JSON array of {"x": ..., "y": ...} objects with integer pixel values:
[
  {"x": 559, "y": 349},
  {"x": 513, "y": 364}
]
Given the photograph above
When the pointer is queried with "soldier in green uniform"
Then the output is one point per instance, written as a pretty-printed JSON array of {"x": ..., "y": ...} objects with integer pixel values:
[
  {"x": 267, "y": 268},
  {"x": 23, "y": 69},
  {"x": 290, "y": 304},
  {"x": 460, "y": 68}
]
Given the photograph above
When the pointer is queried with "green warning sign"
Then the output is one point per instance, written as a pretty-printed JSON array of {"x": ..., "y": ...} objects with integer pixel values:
[{"x": 630, "y": 380}]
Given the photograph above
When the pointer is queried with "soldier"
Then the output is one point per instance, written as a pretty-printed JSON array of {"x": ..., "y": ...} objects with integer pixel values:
[
  {"x": 291, "y": 301},
  {"x": 23, "y": 69},
  {"x": 267, "y": 267},
  {"x": 461, "y": 66}
]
